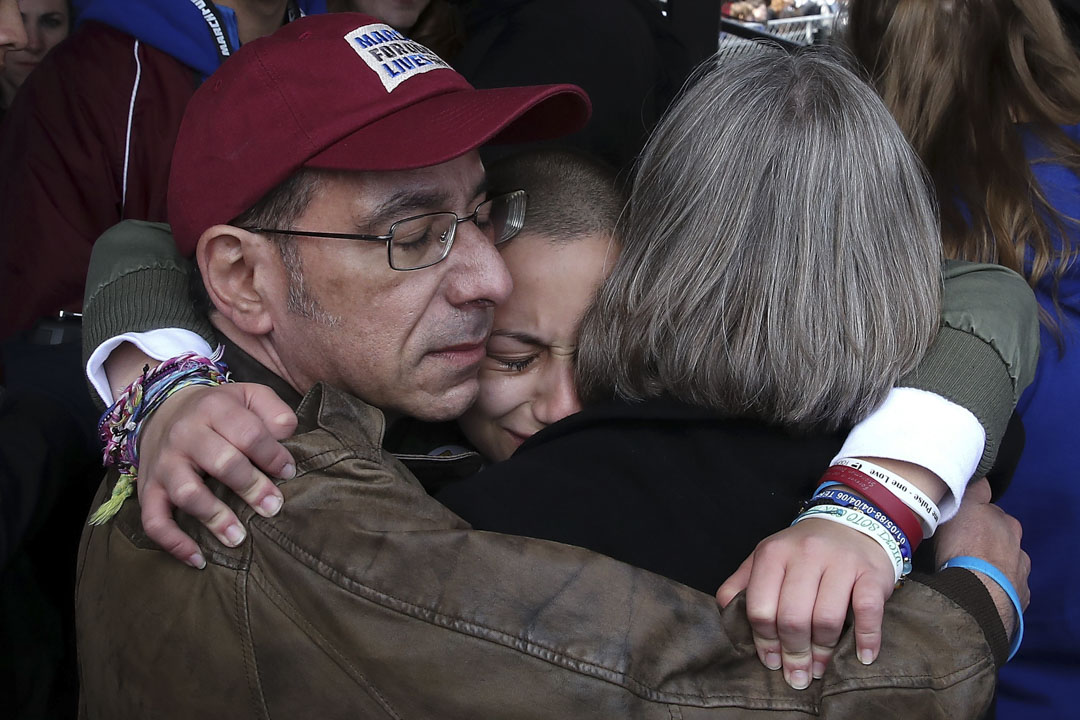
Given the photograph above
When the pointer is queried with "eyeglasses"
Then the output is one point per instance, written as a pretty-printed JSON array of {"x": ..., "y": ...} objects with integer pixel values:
[{"x": 421, "y": 241}]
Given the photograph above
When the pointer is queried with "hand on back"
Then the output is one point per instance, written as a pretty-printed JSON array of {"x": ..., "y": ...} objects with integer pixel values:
[
  {"x": 230, "y": 432},
  {"x": 799, "y": 584}
]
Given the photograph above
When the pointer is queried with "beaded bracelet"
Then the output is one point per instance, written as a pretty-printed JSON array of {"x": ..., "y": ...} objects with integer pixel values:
[
  {"x": 863, "y": 523},
  {"x": 978, "y": 564},
  {"x": 854, "y": 502},
  {"x": 121, "y": 425},
  {"x": 873, "y": 491},
  {"x": 923, "y": 507}
]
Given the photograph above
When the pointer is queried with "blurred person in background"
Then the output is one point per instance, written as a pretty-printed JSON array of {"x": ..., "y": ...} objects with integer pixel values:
[
  {"x": 398, "y": 14},
  {"x": 436, "y": 24},
  {"x": 988, "y": 93},
  {"x": 47, "y": 23},
  {"x": 37, "y": 663},
  {"x": 12, "y": 32},
  {"x": 87, "y": 142},
  {"x": 623, "y": 53}
]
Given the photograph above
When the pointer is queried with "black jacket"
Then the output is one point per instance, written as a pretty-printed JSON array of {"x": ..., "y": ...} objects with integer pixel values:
[{"x": 665, "y": 486}]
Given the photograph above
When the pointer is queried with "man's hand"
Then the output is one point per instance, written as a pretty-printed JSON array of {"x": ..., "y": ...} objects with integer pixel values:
[
  {"x": 984, "y": 530},
  {"x": 799, "y": 584},
  {"x": 220, "y": 431}
]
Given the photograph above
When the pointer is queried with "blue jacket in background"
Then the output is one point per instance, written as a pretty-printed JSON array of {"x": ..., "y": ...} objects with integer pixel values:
[
  {"x": 198, "y": 33},
  {"x": 1041, "y": 681}
]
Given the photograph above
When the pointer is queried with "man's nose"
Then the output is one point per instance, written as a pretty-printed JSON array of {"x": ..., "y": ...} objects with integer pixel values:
[
  {"x": 557, "y": 395},
  {"x": 479, "y": 273},
  {"x": 12, "y": 32}
]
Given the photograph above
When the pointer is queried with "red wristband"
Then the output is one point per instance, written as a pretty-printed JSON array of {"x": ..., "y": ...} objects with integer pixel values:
[{"x": 881, "y": 496}]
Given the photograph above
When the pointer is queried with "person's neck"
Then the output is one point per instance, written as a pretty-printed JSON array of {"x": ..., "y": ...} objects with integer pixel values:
[
  {"x": 256, "y": 18},
  {"x": 261, "y": 349}
]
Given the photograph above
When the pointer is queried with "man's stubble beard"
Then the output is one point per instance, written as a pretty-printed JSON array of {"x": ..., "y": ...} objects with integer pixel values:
[{"x": 299, "y": 300}]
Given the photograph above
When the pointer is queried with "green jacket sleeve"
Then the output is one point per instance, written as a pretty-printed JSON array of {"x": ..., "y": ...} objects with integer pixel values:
[
  {"x": 137, "y": 282},
  {"x": 985, "y": 353}
]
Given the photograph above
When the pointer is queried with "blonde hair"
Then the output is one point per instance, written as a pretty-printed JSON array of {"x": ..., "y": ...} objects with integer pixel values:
[{"x": 958, "y": 76}]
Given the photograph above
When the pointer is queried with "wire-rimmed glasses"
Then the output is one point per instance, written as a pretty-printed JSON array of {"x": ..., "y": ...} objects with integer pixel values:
[{"x": 421, "y": 241}]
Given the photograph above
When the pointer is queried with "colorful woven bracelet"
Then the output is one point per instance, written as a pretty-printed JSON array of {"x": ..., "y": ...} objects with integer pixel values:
[
  {"x": 121, "y": 425},
  {"x": 849, "y": 500},
  {"x": 978, "y": 564},
  {"x": 873, "y": 491}
]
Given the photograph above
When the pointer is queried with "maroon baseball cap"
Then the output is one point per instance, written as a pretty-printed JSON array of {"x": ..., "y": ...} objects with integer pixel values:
[{"x": 340, "y": 91}]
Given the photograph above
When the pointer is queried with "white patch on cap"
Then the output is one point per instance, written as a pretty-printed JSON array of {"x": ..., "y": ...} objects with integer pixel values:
[{"x": 394, "y": 57}]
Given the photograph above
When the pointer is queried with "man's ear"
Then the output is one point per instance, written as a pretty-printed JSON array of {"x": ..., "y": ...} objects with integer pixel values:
[{"x": 241, "y": 272}]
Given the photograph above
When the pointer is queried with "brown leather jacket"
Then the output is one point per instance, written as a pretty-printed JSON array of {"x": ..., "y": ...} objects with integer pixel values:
[{"x": 366, "y": 598}]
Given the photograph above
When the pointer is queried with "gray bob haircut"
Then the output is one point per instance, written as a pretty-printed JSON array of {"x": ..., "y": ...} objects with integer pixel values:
[{"x": 782, "y": 256}]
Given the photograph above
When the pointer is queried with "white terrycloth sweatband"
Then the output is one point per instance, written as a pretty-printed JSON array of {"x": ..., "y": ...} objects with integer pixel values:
[
  {"x": 858, "y": 520},
  {"x": 924, "y": 508},
  {"x": 925, "y": 429}
]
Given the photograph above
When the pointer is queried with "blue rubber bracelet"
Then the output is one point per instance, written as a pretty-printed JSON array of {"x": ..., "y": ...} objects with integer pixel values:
[
  {"x": 973, "y": 563},
  {"x": 824, "y": 485}
]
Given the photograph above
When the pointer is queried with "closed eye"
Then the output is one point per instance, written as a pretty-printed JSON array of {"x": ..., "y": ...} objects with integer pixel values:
[{"x": 515, "y": 365}]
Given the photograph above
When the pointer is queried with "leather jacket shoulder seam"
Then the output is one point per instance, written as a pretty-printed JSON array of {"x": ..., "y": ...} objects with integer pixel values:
[
  {"x": 321, "y": 460},
  {"x": 247, "y": 644}
]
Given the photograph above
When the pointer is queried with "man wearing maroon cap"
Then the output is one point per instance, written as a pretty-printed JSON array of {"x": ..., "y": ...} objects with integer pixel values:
[
  {"x": 327, "y": 182},
  {"x": 369, "y": 140}
]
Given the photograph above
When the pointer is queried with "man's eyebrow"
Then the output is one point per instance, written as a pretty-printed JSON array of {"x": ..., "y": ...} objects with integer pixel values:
[
  {"x": 521, "y": 337},
  {"x": 414, "y": 202},
  {"x": 407, "y": 202}
]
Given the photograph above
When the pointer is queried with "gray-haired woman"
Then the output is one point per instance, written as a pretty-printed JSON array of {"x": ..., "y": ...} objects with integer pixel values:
[{"x": 780, "y": 273}]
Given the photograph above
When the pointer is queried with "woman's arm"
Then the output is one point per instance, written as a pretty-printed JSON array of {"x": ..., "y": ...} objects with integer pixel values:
[{"x": 801, "y": 581}]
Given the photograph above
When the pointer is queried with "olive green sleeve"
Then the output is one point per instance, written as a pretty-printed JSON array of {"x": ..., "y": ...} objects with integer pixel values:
[
  {"x": 137, "y": 282},
  {"x": 985, "y": 353}
]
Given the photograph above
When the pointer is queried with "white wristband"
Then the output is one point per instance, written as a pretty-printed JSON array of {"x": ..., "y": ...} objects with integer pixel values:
[
  {"x": 924, "y": 508},
  {"x": 860, "y": 521}
]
